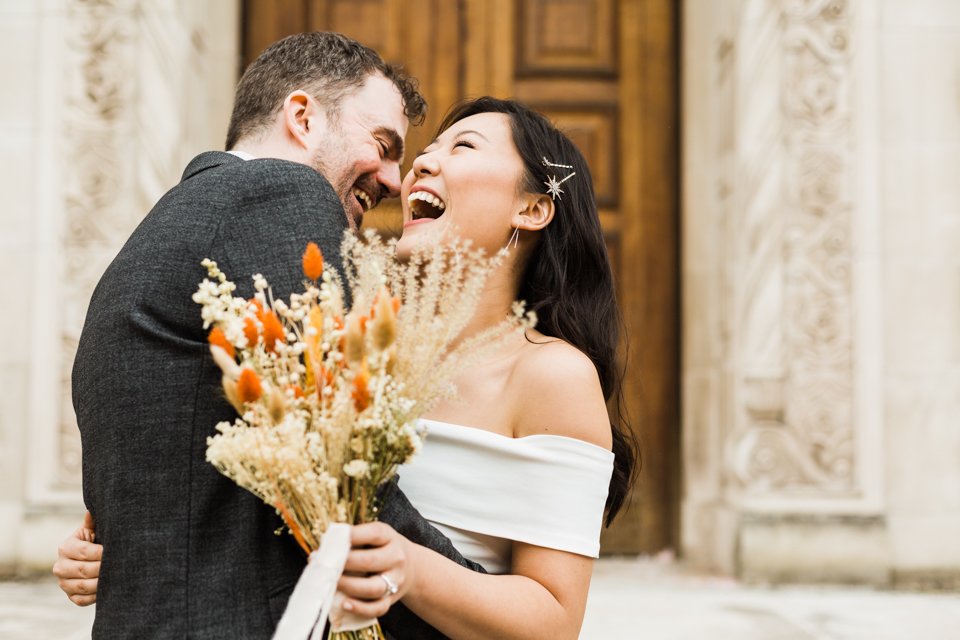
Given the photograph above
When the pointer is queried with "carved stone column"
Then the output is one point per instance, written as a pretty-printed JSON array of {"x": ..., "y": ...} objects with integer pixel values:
[
  {"x": 132, "y": 90},
  {"x": 782, "y": 441}
]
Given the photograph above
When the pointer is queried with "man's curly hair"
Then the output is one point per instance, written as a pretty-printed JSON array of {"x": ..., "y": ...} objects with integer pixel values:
[{"x": 326, "y": 65}]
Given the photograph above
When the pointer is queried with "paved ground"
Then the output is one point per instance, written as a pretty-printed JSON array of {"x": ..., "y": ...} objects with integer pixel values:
[{"x": 642, "y": 599}]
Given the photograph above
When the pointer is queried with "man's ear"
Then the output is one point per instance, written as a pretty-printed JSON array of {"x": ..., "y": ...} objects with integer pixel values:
[
  {"x": 537, "y": 213},
  {"x": 302, "y": 116}
]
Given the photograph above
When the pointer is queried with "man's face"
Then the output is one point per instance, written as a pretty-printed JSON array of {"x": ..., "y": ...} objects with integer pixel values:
[{"x": 360, "y": 151}]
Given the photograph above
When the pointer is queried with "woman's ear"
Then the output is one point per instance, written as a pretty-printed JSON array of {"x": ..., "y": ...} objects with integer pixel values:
[
  {"x": 537, "y": 214},
  {"x": 302, "y": 118}
]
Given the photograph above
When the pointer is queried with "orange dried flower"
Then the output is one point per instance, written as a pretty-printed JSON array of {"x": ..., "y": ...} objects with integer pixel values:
[
  {"x": 326, "y": 376},
  {"x": 217, "y": 338},
  {"x": 294, "y": 527},
  {"x": 251, "y": 332},
  {"x": 272, "y": 331},
  {"x": 312, "y": 261},
  {"x": 249, "y": 388},
  {"x": 361, "y": 392},
  {"x": 258, "y": 309},
  {"x": 297, "y": 391},
  {"x": 396, "y": 305}
]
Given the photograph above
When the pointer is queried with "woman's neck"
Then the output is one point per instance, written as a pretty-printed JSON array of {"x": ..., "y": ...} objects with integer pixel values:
[{"x": 494, "y": 305}]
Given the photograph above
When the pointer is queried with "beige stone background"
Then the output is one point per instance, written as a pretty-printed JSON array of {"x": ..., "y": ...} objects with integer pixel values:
[{"x": 820, "y": 277}]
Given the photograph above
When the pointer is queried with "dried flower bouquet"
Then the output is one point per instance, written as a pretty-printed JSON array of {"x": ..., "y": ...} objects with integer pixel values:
[{"x": 329, "y": 398}]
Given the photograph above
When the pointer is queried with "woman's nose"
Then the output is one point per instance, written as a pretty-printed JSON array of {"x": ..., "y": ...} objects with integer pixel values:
[{"x": 425, "y": 165}]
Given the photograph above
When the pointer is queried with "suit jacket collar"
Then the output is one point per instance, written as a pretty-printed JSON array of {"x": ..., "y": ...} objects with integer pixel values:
[{"x": 207, "y": 160}]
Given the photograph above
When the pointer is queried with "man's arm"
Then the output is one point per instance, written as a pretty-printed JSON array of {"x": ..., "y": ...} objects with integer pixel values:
[{"x": 399, "y": 513}]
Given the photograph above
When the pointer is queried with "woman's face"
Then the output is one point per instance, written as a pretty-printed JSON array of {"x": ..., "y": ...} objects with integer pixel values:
[{"x": 464, "y": 184}]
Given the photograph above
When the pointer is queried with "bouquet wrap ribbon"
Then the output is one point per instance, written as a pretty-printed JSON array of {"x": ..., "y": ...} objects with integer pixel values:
[{"x": 315, "y": 598}]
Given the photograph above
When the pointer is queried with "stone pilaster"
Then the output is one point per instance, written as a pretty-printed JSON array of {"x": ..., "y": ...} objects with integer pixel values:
[
  {"x": 782, "y": 438},
  {"x": 122, "y": 94}
]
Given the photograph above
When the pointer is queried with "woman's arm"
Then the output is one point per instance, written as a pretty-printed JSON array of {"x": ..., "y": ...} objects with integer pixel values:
[
  {"x": 78, "y": 564},
  {"x": 545, "y": 597}
]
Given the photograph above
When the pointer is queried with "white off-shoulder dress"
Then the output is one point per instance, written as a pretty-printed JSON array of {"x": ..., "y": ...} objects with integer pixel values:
[{"x": 484, "y": 490}]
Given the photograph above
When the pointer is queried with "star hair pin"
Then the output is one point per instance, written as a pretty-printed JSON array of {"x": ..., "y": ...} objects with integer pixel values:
[{"x": 553, "y": 185}]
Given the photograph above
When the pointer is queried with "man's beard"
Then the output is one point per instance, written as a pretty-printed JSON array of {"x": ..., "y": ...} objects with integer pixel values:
[{"x": 342, "y": 185}]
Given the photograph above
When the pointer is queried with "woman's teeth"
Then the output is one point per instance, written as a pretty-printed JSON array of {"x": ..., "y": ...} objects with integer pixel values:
[
  {"x": 364, "y": 198},
  {"x": 433, "y": 201}
]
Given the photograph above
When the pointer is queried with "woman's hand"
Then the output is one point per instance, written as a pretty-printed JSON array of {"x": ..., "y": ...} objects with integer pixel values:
[
  {"x": 78, "y": 564},
  {"x": 378, "y": 571}
]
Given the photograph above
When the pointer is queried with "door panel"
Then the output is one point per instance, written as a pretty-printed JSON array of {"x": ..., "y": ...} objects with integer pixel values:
[{"x": 606, "y": 71}]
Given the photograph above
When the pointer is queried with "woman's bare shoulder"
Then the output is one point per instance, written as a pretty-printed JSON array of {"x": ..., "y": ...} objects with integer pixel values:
[{"x": 557, "y": 391}]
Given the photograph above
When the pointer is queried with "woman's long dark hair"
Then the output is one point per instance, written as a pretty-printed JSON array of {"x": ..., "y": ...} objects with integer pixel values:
[{"x": 567, "y": 278}]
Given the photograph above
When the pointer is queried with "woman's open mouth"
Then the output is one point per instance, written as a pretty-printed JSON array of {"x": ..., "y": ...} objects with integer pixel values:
[{"x": 425, "y": 206}]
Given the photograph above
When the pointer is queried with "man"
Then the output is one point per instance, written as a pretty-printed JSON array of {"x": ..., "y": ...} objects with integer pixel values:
[{"x": 315, "y": 140}]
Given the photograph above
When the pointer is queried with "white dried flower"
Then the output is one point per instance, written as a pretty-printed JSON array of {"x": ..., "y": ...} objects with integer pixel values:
[{"x": 356, "y": 468}]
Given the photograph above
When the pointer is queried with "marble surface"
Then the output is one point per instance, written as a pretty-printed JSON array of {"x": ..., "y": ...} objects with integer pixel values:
[{"x": 631, "y": 598}]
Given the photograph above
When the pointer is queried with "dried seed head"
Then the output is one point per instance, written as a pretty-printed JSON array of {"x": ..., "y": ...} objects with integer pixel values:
[
  {"x": 217, "y": 338},
  {"x": 354, "y": 347},
  {"x": 277, "y": 406},
  {"x": 225, "y": 361},
  {"x": 384, "y": 330},
  {"x": 272, "y": 331},
  {"x": 361, "y": 391},
  {"x": 251, "y": 332},
  {"x": 230, "y": 391},
  {"x": 249, "y": 388},
  {"x": 312, "y": 262}
]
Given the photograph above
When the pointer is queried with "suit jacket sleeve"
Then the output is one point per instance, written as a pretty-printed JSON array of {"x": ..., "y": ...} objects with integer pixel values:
[{"x": 400, "y": 623}]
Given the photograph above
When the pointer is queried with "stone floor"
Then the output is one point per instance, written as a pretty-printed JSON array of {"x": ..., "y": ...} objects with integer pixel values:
[{"x": 648, "y": 599}]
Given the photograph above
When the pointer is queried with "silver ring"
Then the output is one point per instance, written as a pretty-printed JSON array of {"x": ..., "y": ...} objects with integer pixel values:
[{"x": 392, "y": 587}]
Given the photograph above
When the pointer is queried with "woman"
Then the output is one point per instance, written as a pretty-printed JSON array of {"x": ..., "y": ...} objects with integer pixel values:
[{"x": 517, "y": 472}]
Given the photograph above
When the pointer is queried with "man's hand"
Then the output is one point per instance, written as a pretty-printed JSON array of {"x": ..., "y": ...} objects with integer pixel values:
[{"x": 78, "y": 564}]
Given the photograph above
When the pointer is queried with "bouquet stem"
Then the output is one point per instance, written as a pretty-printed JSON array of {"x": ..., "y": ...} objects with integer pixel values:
[{"x": 367, "y": 633}]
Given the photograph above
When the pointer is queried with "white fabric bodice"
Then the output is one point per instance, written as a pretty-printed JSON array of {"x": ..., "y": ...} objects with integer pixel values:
[{"x": 484, "y": 490}]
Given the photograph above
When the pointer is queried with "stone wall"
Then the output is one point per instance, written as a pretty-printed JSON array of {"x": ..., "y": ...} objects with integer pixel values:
[
  {"x": 821, "y": 276},
  {"x": 821, "y": 288},
  {"x": 104, "y": 103},
  {"x": 919, "y": 159}
]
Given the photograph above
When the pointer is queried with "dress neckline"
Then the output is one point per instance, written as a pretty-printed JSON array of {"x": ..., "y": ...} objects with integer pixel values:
[{"x": 479, "y": 433}]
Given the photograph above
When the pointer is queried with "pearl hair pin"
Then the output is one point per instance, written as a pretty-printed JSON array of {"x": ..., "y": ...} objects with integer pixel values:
[{"x": 553, "y": 185}]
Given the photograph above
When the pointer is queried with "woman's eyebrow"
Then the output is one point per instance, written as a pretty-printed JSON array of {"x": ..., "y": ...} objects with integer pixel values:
[
  {"x": 420, "y": 152},
  {"x": 473, "y": 132}
]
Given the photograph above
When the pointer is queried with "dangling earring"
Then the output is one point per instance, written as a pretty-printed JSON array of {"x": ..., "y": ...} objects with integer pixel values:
[{"x": 515, "y": 238}]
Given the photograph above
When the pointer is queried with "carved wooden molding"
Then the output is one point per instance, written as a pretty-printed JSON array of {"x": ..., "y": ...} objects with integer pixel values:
[{"x": 566, "y": 37}]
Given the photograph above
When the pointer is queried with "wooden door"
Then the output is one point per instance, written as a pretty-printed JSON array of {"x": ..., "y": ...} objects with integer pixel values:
[{"x": 606, "y": 71}]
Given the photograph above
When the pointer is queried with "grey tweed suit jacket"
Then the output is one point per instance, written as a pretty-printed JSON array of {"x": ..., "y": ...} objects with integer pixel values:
[{"x": 187, "y": 553}]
